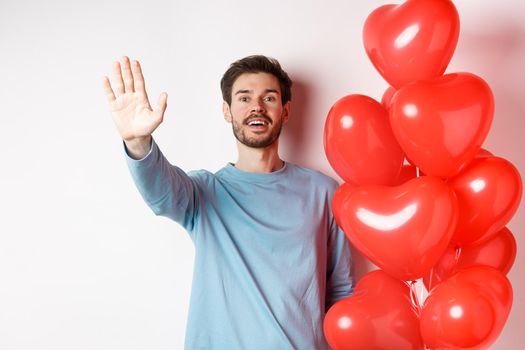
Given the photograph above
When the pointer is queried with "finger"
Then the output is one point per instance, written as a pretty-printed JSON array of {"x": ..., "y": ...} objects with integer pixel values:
[
  {"x": 126, "y": 75},
  {"x": 117, "y": 77},
  {"x": 138, "y": 77},
  {"x": 139, "y": 81},
  {"x": 162, "y": 104},
  {"x": 108, "y": 90}
]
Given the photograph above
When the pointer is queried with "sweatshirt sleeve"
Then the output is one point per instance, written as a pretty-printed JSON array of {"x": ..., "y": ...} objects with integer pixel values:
[
  {"x": 340, "y": 279},
  {"x": 167, "y": 189}
]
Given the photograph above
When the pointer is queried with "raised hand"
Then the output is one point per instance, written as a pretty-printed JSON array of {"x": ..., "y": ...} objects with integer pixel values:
[{"x": 130, "y": 107}]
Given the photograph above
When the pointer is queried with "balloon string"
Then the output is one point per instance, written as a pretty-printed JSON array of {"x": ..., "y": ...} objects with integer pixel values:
[
  {"x": 414, "y": 298},
  {"x": 422, "y": 295}
]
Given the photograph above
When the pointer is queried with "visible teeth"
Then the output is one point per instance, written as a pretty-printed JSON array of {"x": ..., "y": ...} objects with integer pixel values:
[{"x": 256, "y": 122}]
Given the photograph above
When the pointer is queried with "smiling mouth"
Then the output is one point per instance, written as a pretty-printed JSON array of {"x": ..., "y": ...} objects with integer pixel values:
[{"x": 258, "y": 121}]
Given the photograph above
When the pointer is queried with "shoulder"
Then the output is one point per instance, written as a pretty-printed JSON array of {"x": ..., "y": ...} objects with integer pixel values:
[
  {"x": 315, "y": 176},
  {"x": 206, "y": 177},
  {"x": 201, "y": 176}
]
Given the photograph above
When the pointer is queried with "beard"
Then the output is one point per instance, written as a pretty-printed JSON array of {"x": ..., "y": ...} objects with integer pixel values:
[{"x": 240, "y": 130}]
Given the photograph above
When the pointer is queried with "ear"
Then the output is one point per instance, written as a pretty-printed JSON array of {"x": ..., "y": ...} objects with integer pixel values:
[
  {"x": 286, "y": 111},
  {"x": 226, "y": 111}
]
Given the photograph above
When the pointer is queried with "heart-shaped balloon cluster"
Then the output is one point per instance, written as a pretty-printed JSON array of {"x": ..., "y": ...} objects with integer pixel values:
[{"x": 443, "y": 216}]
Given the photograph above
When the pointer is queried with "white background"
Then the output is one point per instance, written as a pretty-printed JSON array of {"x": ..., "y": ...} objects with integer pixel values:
[{"x": 84, "y": 264}]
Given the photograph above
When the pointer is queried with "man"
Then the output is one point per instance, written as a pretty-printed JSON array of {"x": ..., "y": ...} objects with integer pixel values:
[{"x": 269, "y": 257}]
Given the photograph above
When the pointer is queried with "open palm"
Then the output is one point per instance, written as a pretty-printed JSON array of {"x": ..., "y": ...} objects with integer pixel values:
[{"x": 129, "y": 104}]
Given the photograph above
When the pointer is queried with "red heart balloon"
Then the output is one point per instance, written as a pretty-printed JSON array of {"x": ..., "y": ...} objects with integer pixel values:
[
  {"x": 412, "y": 41},
  {"x": 456, "y": 317},
  {"x": 499, "y": 252},
  {"x": 467, "y": 310},
  {"x": 489, "y": 192},
  {"x": 441, "y": 123},
  {"x": 359, "y": 143},
  {"x": 380, "y": 315},
  {"x": 492, "y": 283},
  {"x": 404, "y": 229}
]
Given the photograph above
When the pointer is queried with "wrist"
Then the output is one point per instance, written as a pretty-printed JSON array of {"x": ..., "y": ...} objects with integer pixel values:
[{"x": 138, "y": 147}]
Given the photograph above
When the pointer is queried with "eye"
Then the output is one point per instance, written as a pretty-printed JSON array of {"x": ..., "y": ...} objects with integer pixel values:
[
  {"x": 243, "y": 99},
  {"x": 269, "y": 99}
]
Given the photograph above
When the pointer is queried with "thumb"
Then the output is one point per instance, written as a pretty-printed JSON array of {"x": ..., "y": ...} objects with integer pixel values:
[{"x": 162, "y": 103}]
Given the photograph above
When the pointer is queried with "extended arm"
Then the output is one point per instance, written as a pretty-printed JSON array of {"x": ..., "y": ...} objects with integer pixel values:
[{"x": 167, "y": 190}]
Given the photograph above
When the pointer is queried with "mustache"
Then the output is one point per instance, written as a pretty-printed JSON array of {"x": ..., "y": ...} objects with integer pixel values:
[{"x": 258, "y": 115}]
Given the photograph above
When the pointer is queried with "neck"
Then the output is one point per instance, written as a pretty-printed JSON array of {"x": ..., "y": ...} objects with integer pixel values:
[{"x": 259, "y": 160}]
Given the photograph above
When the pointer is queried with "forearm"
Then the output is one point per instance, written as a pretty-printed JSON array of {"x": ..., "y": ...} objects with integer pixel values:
[
  {"x": 166, "y": 189},
  {"x": 340, "y": 282}
]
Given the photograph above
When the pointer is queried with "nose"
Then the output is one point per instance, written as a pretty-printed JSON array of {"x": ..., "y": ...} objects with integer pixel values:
[{"x": 258, "y": 106}]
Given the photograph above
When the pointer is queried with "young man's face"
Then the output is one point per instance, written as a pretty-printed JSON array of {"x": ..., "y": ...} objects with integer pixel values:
[{"x": 256, "y": 111}]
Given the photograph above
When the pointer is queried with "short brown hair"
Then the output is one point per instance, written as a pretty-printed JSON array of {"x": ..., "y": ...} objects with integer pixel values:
[{"x": 256, "y": 64}]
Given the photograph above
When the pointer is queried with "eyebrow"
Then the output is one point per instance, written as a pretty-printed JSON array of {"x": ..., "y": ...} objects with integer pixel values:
[{"x": 250, "y": 91}]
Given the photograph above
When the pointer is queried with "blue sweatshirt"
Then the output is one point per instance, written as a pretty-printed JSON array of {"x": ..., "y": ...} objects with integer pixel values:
[{"x": 269, "y": 257}]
